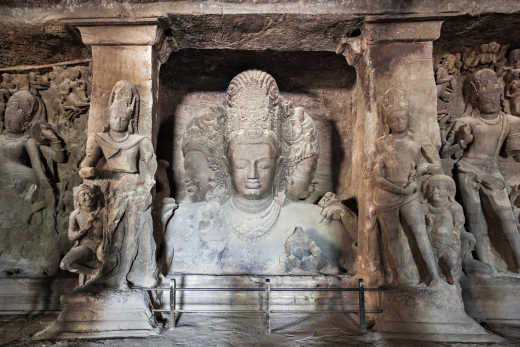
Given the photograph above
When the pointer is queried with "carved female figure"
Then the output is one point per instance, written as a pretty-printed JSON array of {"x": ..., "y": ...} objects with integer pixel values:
[{"x": 21, "y": 167}]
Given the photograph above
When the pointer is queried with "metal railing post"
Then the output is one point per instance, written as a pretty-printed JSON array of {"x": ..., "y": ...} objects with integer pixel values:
[
  {"x": 173, "y": 297},
  {"x": 362, "y": 312},
  {"x": 268, "y": 305}
]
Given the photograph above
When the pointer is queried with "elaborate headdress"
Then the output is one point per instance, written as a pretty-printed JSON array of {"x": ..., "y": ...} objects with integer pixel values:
[
  {"x": 300, "y": 137},
  {"x": 252, "y": 102},
  {"x": 394, "y": 99},
  {"x": 204, "y": 134},
  {"x": 127, "y": 91}
]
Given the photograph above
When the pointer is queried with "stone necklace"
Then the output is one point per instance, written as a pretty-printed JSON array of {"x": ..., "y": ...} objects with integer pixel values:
[{"x": 253, "y": 224}]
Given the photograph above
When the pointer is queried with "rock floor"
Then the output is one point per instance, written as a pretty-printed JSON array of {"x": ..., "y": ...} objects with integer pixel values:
[{"x": 230, "y": 330}]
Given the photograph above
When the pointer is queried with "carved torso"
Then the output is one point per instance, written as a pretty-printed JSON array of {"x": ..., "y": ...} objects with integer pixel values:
[
  {"x": 399, "y": 157},
  {"x": 488, "y": 136},
  {"x": 397, "y": 162},
  {"x": 200, "y": 241},
  {"x": 120, "y": 156},
  {"x": 14, "y": 161},
  {"x": 93, "y": 222},
  {"x": 444, "y": 226}
]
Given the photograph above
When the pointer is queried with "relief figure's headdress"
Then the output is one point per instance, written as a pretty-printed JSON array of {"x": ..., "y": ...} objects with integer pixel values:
[{"x": 252, "y": 107}]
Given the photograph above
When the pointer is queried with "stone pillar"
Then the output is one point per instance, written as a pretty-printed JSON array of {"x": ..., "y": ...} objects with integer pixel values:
[
  {"x": 113, "y": 304},
  {"x": 397, "y": 53},
  {"x": 389, "y": 53}
]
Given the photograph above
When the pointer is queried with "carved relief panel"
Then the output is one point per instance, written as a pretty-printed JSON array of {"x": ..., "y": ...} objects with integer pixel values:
[{"x": 43, "y": 118}]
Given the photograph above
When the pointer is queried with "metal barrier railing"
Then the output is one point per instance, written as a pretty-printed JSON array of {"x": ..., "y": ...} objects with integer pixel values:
[{"x": 361, "y": 311}]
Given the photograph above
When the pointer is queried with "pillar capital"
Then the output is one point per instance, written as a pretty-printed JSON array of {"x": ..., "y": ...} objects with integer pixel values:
[
  {"x": 130, "y": 49},
  {"x": 402, "y": 29},
  {"x": 118, "y": 31}
]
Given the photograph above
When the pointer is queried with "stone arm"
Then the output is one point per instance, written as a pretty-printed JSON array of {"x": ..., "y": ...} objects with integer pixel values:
[
  {"x": 442, "y": 76},
  {"x": 36, "y": 163},
  {"x": 75, "y": 232},
  {"x": 55, "y": 151},
  {"x": 148, "y": 162},
  {"x": 458, "y": 218},
  {"x": 93, "y": 154},
  {"x": 381, "y": 181},
  {"x": 429, "y": 161},
  {"x": 459, "y": 137}
]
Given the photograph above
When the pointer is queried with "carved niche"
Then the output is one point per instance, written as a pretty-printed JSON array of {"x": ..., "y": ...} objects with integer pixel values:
[{"x": 249, "y": 162}]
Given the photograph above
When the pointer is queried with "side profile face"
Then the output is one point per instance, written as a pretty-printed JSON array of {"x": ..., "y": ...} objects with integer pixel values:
[
  {"x": 397, "y": 120},
  {"x": 197, "y": 174},
  {"x": 438, "y": 193},
  {"x": 86, "y": 200},
  {"x": 300, "y": 182},
  {"x": 253, "y": 167},
  {"x": 488, "y": 93},
  {"x": 120, "y": 116}
]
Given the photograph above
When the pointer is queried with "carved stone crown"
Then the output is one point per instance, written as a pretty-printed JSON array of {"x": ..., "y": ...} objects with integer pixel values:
[
  {"x": 394, "y": 99},
  {"x": 252, "y": 101}
]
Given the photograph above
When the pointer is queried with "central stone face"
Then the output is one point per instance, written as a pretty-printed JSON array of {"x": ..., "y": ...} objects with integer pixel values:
[{"x": 244, "y": 217}]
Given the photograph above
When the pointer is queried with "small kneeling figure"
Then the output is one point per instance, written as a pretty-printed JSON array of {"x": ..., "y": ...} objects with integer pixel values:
[{"x": 445, "y": 224}]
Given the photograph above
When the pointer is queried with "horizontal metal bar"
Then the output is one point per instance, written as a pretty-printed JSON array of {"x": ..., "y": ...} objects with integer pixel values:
[
  {"x": 320, "y": 289},
  {"x": 272, "y": 311},
  {"x": 324, "y": 311},
  {"x": 219, "y": 311},
  {"x": 314, "y": 312},
  {"x": 263, "y": 289}
]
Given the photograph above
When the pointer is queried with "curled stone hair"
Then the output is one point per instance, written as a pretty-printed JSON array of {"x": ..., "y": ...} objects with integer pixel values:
[
  {"x": 473, "y": 85},
  {"x": 447, "y": 180},
  {"x": 94, "y": 190},
  {"x": 127, "y": 91}
]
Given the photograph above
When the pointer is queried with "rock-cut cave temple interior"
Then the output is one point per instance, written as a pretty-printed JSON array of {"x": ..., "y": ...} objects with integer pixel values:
[{"x": 279, "y": 173}]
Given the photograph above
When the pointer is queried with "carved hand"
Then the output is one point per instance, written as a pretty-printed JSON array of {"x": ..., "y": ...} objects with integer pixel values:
[
  {"x": 409, "y": 188},
  {"x": 464, "y": 136}
]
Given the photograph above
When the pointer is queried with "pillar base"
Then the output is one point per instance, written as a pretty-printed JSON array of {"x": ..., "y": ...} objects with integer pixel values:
[
  {"x": 429, "y": 314},
  {"x": 495, "y": 301},
  {"x": 109, "y": 314}
]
